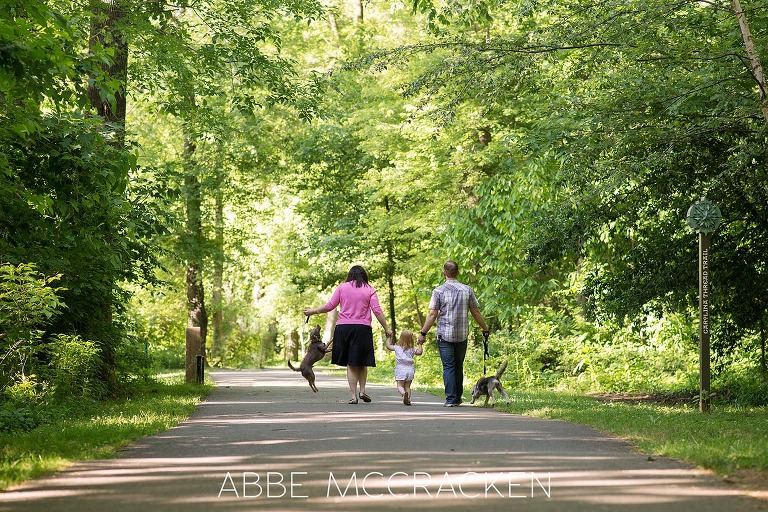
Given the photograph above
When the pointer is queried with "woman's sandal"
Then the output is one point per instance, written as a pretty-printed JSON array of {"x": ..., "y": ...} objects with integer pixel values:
[
  {"x": 407, "y": 399},
  {"x": 365, "y": 397},
  {"x": 352, "y": 401}
]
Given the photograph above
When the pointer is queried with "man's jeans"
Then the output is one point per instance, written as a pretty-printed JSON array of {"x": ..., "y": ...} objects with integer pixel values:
[{"x": 452, "y": 356}]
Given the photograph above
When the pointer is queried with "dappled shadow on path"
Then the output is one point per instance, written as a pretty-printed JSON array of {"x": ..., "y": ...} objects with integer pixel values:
[{"x": 263, "y": 440}]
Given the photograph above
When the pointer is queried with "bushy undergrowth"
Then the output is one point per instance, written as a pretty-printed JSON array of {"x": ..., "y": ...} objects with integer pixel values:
[
  {"x": 41, "y": 369},
  {"x": 15, "y": 417},
  {"x": 160, "y": 319},
  {"x": 549, "y": 351}
]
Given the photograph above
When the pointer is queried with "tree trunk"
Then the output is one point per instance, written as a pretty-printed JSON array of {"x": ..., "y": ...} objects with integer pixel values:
[
  {"x": 292, "y": 347},
  {"x": 763, "y": 364},
  {"x": 196, "y": 313},
  {"x": 358, "y": 12},
  {"x": 754, "y": 62},
  {"x": 108, "y": 16},
  {"x": 419, "y": 315},
  {"x": 107, "y": 19},
  {"x": 334, "y": 26},
  {"x": 267, "y": 345},
  {"x": 391, "y": 285},
  {"x": 390, "y": 274},
  {"x": 218, "y": 276}
]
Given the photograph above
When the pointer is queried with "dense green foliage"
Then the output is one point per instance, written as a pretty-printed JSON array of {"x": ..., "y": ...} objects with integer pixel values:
[
  {"x": 551, "y": 148},
  {"x": 64, "y": 180},
  {"x": 553, "y": 152}
]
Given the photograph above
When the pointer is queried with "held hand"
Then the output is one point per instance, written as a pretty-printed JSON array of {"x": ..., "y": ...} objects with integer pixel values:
[
  {"x": 421, "y": 339},
  {"x": 390, "y": 334}
]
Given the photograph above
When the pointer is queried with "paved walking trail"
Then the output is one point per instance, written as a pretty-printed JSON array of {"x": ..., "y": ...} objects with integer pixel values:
[{"x": 260, "y": 431}]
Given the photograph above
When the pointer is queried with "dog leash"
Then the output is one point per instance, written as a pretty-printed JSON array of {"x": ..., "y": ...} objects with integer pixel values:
[{"x": 485, "y": 349}]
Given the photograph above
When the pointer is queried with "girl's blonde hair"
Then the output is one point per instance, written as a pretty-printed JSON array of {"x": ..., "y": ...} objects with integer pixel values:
[{"x": 406, "y": 340}]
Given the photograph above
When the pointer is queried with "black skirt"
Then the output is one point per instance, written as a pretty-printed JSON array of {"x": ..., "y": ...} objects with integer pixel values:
[{"x": 353, "y": 345}]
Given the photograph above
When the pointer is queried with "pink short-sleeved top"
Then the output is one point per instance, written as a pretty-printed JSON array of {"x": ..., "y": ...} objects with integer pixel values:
[{"x": 356, "y": 303}]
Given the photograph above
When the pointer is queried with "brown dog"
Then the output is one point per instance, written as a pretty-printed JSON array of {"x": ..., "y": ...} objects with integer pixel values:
[{"x": 315, "y": 352}]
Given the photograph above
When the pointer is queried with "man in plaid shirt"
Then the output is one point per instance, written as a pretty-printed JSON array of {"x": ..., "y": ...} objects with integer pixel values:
[{"x": 450, "y": 305}]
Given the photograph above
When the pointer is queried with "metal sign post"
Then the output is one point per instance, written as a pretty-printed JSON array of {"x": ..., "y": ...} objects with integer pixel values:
[
  {"x": 704, "y": 217},
  {"x": 704, "y": 334}
]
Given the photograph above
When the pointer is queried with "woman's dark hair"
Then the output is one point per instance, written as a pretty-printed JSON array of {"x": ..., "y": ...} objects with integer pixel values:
[{"x": 358, "y": 275}]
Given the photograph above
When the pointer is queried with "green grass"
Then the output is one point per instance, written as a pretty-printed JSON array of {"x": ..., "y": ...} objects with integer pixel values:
[
  {"x": 91, "y": 430},
  {"x": 731, "y": 441},
  {"x": 728, "y": 440}
]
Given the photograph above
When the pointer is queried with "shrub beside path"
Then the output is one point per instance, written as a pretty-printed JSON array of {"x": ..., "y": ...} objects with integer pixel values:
[{"x": 263, "y": 441}]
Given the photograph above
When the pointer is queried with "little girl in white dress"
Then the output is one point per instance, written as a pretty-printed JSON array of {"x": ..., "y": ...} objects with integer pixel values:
[{"x": 404, "y": 353}]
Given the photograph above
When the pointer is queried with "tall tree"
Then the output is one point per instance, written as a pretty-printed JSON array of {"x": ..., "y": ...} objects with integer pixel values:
[
  {"x": 752, "y": 56},
  {"x": 193, "y": 195},
  {"x": 204, "y": 65},
  {"x": 218, "y": 274},
  {"x": 607, "y": 122},
  {"x": 65, "y": 168},
  {"x": 363, "y": 188},
  {"x": 108, "y": 33}
]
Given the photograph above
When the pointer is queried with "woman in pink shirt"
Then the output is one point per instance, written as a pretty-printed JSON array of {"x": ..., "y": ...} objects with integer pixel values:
[{"x": 353, "y": 336}]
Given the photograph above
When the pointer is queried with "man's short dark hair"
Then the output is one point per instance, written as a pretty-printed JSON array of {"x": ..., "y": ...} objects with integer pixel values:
[{"x": 451, "y": 269}]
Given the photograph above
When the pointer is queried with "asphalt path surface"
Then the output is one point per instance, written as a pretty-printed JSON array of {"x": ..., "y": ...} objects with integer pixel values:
[{"x": 262, "y": 440}]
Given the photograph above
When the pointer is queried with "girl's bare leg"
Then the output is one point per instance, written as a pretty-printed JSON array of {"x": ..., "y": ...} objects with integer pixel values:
[{"x": 407, "y": 392}]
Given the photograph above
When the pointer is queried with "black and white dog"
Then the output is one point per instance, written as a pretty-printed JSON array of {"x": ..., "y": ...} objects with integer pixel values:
[{"x": 486, "y": 385}]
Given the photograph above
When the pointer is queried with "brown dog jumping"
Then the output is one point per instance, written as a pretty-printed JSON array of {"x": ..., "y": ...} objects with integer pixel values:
[{"x": 315, "y": 352}]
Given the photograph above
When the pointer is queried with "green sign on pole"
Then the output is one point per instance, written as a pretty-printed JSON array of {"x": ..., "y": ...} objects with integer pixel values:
[{"x": 704, "y": 217}]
